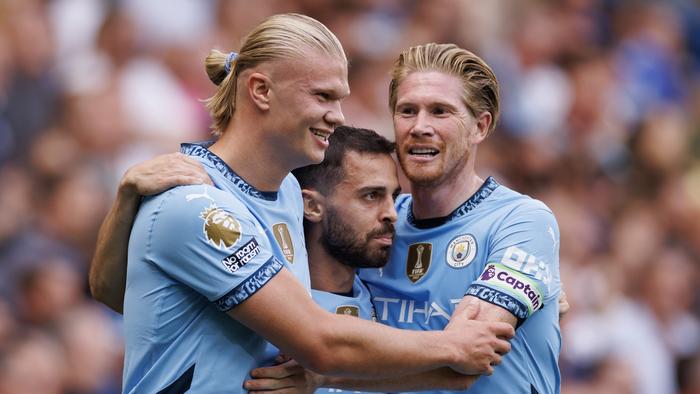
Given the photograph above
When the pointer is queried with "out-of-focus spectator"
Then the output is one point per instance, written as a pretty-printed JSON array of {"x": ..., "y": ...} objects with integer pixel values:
[
  {"x": 601, "y": 121},
  {"x": 32, "y": 363},
  {"x": 29, "y": 103},
  {"x": 48, "y": 291},
  {"x": 91, "y": 350}
]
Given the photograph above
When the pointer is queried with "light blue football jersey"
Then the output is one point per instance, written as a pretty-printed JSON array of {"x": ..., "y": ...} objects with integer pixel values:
[
  {"x": 196, "y": 252},
  {"x": 281, "y": 213},
  {"x": 359, "y": 305},
  {"x": 500, "y": 246}
]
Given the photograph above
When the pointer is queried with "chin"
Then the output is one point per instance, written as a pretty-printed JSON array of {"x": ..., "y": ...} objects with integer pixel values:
[
  {"x": 311, "y": 158},
  {"x": 423, "y": 177},
  {"x": 318, "y": 154},
  {"x": 377, "y": 258},
  {"x": 421, "y": 174}
]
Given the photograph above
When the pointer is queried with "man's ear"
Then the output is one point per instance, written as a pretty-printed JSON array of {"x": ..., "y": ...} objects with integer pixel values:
[
  {"x": 483, "y": 123},
  {"x": 314, "y": 205},
  {"x": 259, "y": 85}
]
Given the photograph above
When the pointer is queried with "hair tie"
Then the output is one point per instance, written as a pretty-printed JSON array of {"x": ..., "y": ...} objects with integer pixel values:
[{"x": 229, "y": 59}]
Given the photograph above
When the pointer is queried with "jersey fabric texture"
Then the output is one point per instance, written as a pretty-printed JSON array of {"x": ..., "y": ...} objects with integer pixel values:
[
  {"x": 499, "y": 246},
  {"x": 196, "y": 252},
  {"x": 358, "y": 305}
]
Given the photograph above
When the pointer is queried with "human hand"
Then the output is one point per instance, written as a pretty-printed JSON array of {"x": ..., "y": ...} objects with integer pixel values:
[
  {"x": 564, "y": 306},
  {"x": 162, "y": 173},
  {"x": 288, "y": 377},
  {"x": 481, "y": 343}
]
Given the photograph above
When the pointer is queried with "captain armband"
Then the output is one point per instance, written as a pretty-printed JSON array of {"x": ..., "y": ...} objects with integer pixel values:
[{"x": 509, "y": 289}]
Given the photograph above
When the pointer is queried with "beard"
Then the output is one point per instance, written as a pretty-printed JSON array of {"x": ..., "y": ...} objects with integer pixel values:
[
  {"x": 350, "y": 247},
  {"x": 433, "y": 174}
]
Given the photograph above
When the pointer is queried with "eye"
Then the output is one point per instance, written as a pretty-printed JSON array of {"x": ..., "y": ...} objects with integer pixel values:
[
  {"x": 438, "y": 111},
  {"x": 371, "y": 196},
  {"x": 323, "y": 96},
  {"x": 406, "y": 111}
]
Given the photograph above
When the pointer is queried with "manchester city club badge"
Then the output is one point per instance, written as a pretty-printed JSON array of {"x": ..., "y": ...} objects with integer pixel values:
[
  {"x": 461, "y": 251},
  {"x": 418, "y": 260}
]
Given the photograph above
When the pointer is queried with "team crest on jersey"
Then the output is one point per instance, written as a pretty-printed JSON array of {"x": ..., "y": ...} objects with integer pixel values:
[
  {"x": 461, "y": 251},
  {"x": 348, "y": 310},
  {"x": 284, "y": 240},
  {"x": 418, "y": 260},
  {"x": 220, "y": 228}
]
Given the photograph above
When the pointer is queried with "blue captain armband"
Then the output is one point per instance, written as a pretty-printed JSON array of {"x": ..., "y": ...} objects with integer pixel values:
[{"x": 512, "y": 290}]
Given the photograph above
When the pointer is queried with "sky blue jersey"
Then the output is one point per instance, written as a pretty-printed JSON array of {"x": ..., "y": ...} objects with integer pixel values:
[
  {"x": 196, "y": 252},
  {"x": 359, "y": 305},
  {"x": 499, "y": 246},
  {"x": 281, "y": 214}
]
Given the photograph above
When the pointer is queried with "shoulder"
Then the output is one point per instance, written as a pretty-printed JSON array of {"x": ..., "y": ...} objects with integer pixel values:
[
  {"x": 520, "y": 207},
  {"x": 403, "y": 202},
  {"x": 184, "y": 209},
  {"x": 193, "y": 197},
  {"x": 290, "y": 182}
]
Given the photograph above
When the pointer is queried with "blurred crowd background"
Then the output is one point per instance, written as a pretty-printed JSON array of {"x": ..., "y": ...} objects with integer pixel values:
[{"x": 601, "y": 120}]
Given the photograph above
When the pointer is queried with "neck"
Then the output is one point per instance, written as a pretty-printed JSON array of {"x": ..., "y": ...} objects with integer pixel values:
[
  {"x": 327, "y": 274},
  {"x": 244, "y": 150},
  {"x": 439, "y": 199}
]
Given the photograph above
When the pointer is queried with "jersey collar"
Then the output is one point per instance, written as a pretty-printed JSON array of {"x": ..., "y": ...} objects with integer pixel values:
[
  {"x": 201, "y": 149},
  {"x": 484, "y": 191}
]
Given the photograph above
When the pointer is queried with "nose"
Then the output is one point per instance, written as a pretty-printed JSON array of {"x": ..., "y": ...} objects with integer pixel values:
[
  {"x": 422, "y": 126},
  {"x": 335, "y": 115},
  {"x": 388, "y": 212}
]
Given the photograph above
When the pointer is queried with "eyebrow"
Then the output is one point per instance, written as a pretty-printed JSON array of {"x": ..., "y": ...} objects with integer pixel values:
[
  {"x": 433, "y": 103},
  {"x": 382, "y": 189},
  {"x": 334, "y": 93},
  {"x": 372, "y": 189}
]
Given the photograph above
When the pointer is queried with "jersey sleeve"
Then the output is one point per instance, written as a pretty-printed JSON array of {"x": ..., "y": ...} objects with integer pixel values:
[
  {"x": 522, "y": 267},
  {"x": 207, "y": 239}
]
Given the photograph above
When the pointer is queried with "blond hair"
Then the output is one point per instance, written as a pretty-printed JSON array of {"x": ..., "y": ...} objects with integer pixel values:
[
  {"x": 280, "y": 36},
  {"x": 479, "y": 83}
]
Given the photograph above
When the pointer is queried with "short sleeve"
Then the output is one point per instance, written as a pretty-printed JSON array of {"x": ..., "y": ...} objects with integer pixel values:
[
  {"x": 207, "y": 239},
  {"x": 522, "y": 269}
]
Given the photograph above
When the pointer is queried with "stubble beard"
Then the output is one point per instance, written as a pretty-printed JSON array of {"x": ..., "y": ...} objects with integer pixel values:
[
  {"x": 419, "y": 175},
  {"x": 346, "y": 246}
]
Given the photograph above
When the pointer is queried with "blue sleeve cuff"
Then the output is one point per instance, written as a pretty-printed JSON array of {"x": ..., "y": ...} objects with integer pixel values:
[
  {"x": 250, "y": 285},
  {"x": 499, "y": 298}
]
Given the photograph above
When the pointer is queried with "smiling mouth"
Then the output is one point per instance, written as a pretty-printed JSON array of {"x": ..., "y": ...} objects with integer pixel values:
[
  {"x": 424, "y": 152},
  {"x": 324, "y": 135}
]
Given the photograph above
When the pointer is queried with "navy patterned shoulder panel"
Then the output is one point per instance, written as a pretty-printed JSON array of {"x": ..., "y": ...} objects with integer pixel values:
[
  {"x": 202, "y": 150},
  {"x": 484, "y": 191}
]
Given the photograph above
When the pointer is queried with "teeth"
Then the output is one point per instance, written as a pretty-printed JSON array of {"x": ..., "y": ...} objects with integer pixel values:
[
  {"x": 320, "y": 134},
  {"x": 423, "y": 151}
]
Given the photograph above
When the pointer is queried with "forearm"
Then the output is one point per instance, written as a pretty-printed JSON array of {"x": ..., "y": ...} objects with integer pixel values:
[
  {"x": 486, "y": 311},
  {"x": 374, "y": 350},
  {"x": 438, "y": 379},
  {"x": 330, "y": 344},
  {"x": 108, "y": 267}
]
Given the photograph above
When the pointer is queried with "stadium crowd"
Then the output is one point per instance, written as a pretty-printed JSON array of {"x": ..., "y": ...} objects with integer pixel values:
[{"x": 601, "y": 121}]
